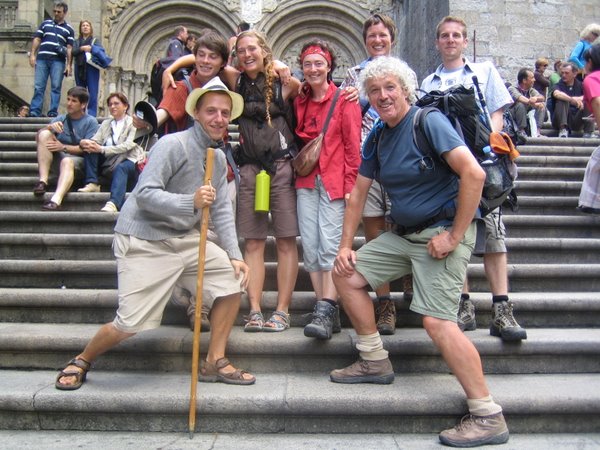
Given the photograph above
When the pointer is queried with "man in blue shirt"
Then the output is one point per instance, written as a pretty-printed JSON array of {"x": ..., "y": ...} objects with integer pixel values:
[
  {"x": 58, "y": 150},
  {"x": 52, "y": 44},
  {"x": 433, "y": 203}
]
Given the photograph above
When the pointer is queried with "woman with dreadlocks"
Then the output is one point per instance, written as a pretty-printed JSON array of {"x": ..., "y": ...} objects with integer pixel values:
[{"x": 266, "y": 143}]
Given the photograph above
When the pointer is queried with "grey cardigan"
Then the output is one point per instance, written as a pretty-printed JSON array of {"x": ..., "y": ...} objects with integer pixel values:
[{"x": 162, "y": 204}]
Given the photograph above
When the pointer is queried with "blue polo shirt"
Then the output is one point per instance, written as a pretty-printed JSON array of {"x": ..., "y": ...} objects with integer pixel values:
[{"x": 53, "y": 35}]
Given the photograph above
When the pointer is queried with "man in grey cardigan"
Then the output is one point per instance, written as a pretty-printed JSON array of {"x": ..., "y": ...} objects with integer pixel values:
[{"x": 156, "y": 241}]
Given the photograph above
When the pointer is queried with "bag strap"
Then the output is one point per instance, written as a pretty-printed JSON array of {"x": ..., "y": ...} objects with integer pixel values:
[
  {"x": 330, "y": 112},
  {"x": 74, "y": 139}
]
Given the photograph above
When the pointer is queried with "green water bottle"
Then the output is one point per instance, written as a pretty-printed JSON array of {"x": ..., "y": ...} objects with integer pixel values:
[{"x": 262, "y": 192}]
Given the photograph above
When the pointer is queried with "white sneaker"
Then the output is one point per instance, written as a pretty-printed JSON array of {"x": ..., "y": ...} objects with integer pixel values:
[
  {"x": 110, "y": 207},
  {"x": 90, "y": 187}
]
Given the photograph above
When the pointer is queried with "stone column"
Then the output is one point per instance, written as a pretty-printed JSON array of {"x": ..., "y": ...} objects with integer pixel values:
[
  {"x": 140, "y": 84},
  {"x": 127, "y": 83}
]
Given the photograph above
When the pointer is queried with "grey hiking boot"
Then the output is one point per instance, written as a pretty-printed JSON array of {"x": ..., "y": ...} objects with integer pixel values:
[
  {"x": 473, "y": 431},
  {"x": 386, "y": 316},
  {"x": 466, "y": 315},
  {"x": 504, "y": 324},
  {"x": 325, "y": 318},
  {"x": 363, "y": 371}
]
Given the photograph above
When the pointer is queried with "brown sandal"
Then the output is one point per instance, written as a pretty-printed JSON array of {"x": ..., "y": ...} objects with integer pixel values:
[
  {"x": 211, "y": 373},
  {"x": 80, "y": 376}
]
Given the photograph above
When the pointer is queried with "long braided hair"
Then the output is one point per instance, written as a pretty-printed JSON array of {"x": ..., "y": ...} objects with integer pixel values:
[{"x": 267, "y": 63}]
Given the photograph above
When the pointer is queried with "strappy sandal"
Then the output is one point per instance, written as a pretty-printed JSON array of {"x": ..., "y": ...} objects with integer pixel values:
[
  {"x": 211, "y": 373},
  {"x": 279, "y": 321},
  {"x": 254, "y": 322},
  {"x": 79, "y": 376}
]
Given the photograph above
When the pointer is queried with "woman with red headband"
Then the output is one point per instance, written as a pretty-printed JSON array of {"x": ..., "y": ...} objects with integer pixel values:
[
  {"x": 266, "y": 143},
  {"x": 322, "y": 193}
]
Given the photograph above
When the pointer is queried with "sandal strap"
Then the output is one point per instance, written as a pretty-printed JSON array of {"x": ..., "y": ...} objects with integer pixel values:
[
  {"x": 280, "y": 318},
  {"x": 80, "y": 363},
  {"x": 222, "y": 362}
]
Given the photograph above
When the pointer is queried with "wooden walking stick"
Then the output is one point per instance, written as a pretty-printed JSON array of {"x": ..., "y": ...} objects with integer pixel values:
[{"x": 210, "y": 154}]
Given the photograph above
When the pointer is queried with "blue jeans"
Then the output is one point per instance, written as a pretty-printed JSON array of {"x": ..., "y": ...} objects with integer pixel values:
[
  {"x": 92, "y": 162},
  {"x": 91, "y": 82},
  {"x": 45, "y": 68},
  {"x": 125, "y": 175}
]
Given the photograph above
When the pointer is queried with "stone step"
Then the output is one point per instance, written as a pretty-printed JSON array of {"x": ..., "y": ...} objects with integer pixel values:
[
  {"x": 18, "y": 135},
  {"x": 18, "y": 184},
  {"x": 46, "y": 346},
  {"x": 280, "y": 403},
  {"x": 559, "y": 226},
  {"x": 73, "y": 201},
  {"x": 17, "y": 156},
  {"x": 546, "y": 173},
  {"x": 55, "y": 246},
  {"x": 102, "y": 274},
  {"x": 532, "y": 309},
  {"x": 545, "y": 160},
  {"x": 18, "y": 146},
  {"x": 548, "y": 187},
  {"x": 527, "y": 205},
  {"x": 70, "y": 222},
  {"x": 96, "y": 440}
]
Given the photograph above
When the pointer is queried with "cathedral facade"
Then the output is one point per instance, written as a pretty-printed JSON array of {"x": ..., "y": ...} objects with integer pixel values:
[{"x": 512, "y": 33}]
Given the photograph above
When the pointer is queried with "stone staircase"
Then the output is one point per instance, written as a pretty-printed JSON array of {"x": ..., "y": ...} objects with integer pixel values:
[{"x": 58, "y": 283}]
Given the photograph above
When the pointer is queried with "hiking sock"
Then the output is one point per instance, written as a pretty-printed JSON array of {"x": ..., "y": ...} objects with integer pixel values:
[
  {"x": 499, "y": 298},
  {"x": 370, "y": 347},
  {"x": 485, "y": 406}
]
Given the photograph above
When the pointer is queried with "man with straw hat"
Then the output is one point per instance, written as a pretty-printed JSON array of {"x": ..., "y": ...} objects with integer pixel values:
[{"x": 157, "y": 236}]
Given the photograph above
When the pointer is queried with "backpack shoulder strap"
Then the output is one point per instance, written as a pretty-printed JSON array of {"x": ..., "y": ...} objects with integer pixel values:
[
  {"x": 188, "y": 83},
  {"x": 419, "y": 137}
]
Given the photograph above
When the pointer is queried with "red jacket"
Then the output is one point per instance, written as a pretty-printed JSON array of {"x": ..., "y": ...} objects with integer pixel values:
[{"x": 340, "y": 153}]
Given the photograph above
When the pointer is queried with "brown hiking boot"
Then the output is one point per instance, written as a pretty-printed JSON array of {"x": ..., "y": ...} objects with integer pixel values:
[
  {"x": 386, "y": 316},
  {"x": 407, "y": 287},
  {"x": 504, "y": 324},
  {"x": 466, "y": 315},
  {"x": 473, "y": 431},
  {"x": 363, "y": 371}
]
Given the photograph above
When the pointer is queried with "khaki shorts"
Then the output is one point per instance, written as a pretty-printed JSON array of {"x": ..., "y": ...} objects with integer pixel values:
[
  {"x": 378, "y": 203},
  {"x": 149, "y": 270},
  {"x": 495, "y": 233},
  {"x": 437, "y": 282},
  {"x": 253, "y": 225},
  {"x": 79, "y": 168}
]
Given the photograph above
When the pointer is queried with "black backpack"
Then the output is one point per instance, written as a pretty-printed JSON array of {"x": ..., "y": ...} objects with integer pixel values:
[
  {"x": 499, "y": 169},
  {"x": 460, "y": 107},
  {"x": 156, "y": 74}
]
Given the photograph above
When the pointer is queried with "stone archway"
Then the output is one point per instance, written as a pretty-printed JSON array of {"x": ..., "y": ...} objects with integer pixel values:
[{"x": 338, "y": 22}]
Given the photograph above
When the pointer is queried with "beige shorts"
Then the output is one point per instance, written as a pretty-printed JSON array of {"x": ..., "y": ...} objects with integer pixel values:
[
  {"x": 78, "y": 167},
  {"x": 495, "y": 233},
  {"x": 378, "y": 203},
  {"x": 149, "y": 270}
]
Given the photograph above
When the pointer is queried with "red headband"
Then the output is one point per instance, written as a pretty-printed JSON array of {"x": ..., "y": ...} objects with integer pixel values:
[{"x": 316, "y": 50}]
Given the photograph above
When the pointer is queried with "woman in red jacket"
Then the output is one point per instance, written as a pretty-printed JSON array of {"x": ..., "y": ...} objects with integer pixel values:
[{"x": 321, "y": 195}]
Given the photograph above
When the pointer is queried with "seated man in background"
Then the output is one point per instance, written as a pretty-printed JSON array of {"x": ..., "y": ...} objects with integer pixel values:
[
  {"x": 569, "y": 109},
  {"x": 58, "y": 150},
  {"x": 527, "y": 98}
]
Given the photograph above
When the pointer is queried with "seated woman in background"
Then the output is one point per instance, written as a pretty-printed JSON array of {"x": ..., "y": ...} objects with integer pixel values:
[{"x": 113, "y": 151}]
